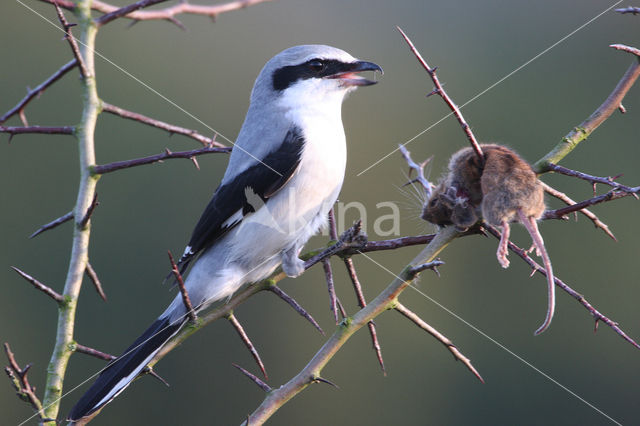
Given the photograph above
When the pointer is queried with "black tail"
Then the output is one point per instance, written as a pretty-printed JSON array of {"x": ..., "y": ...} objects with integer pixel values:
[{"x": 124, "y": 369}]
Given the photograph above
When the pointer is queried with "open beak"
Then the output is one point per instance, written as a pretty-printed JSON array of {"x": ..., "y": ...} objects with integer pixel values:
[{"x": 349, "y": 74}]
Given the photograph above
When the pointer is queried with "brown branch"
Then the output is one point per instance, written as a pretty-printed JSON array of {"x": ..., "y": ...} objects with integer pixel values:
[
  {"x": 81, "y": 349},
  {"x": 38, "y": 285},
  {"x": 169, "y": 13},
  {"x": 66, "y": 27},
  {"x": 328, "y": 275},
  {"x": 247, "y": 342},
  {"x": 609, "y": 196},
  {"x": 183, "y": 290},
  {"x": 32, "y": 93},
  {"x": 93, "y": 276},
  {"x": 119, "y": 13},
  {"x": 265, "y": 387},
  {"x": 625, "y": 48},
  {"x": 632, "y": 10},
  {"x": 112, "y": 109},
  {"x": 588, "y": 126},
  {"x": 20, "y": 382},
  {"x": 589, "y": 178},
  {"x": 439, "y": 90},
  {"x": 580, "y": 298},
  {"x": 13, "y": 130},
  {"x": 59, "y": 221},
  {"x": 119, "y": 165},
  {"x": 588, "y": 213},
  {"x": 295, "y": 305},
  {"x": 439, "y": 336},
  {"x": 351, "y": 270}
]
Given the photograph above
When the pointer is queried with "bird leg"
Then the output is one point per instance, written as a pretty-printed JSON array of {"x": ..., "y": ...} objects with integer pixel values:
[{"x": 292, "y": 265}]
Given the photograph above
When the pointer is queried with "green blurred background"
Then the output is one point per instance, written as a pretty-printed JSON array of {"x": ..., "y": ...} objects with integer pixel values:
[{"x": 209, "y": 70}]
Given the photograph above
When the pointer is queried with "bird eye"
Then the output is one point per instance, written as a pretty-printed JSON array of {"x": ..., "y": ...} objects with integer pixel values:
[{"x": 316, "y": 65}]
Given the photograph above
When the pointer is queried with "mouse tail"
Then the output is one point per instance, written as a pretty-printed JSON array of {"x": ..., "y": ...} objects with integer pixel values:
[{"x": 532, "y": 227}]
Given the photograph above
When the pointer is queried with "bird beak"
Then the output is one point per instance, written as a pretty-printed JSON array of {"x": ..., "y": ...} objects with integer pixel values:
[{"x": 348, "y": 75}]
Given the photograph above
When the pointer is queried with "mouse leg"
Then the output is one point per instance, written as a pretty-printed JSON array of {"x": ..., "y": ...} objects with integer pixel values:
[
  {"x": 532, "y": 227},
  {"x": 503, "y": 246}
]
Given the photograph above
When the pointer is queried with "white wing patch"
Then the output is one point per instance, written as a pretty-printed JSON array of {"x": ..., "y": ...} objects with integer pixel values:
[{"x": 233, "y": 219}]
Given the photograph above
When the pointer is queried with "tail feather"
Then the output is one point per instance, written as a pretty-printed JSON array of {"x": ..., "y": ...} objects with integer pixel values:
[{"x": 124, "y": 369}]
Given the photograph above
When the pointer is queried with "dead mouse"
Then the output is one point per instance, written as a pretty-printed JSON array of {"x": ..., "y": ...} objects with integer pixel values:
[{"x": 501, "y": 189}]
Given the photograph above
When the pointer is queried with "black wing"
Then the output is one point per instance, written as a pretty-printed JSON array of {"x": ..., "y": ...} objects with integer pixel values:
[{"x": 229, "y": 203}]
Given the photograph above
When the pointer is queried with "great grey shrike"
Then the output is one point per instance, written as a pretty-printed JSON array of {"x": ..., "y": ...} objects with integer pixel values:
[{"x": 283, "y": 177}]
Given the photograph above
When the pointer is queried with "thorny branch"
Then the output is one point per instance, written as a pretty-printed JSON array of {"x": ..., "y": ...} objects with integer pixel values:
[
  {"x": 166, "y": 155},
  {"x": 53, "y": 224},
  {"x": 247, "y": 342},
  {"x": 584, "y": 129},
  {"x": 439, "y": 336},
  {"x": 66, "y": 27},
  {"x": 167, "y": 14},
  {"x": 439, "y": 90},
  {"x": 37, "y": 91},
  {"x": 121, "y": 112},
  {"x": 632, "y": 10},
  {"x": 12, "y": 130},
  {"x": 588, "y": 213},
  {"x": 580, "y": 298},
  {"x": 38, "y": 285},
  {"x": 20, "y": 382},
  {"x": 183, "y": 290}
]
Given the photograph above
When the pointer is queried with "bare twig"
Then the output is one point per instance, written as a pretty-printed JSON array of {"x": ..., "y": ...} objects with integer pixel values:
[
  {"x": 265, "y": 387},
  {"x": 119, "y": 165},
  {"x": 247, "y": 342},
  {"x": 588, "y": 213},
  {"x": 609, "y": 196},
  {"x": 580, "y": 298},
  {"x": 20, "y": 382},
  {"x": 14, "y": 130},
  {"x": 632, "y": 10},
  {"x": 59, "y": 221},
  {"x": 584, "y": 129},
  {"x": 94, "y": 352},
  {"x": 37, "y": 91},
  {"x": 93, "y": 276},
  {"x": 183, "y": 290},
  {"x": 169, "y": 13},
  {"x": 419, "y": 169},
  {"x": 328, "y": 275},
  {"x": 119, "y": 13},
  {"x": 589, "y": 178},
  {"x": 625, "y": 48},
  {"x": 66, "y": 27},
  {"x": 112, "y": 109},
  {"x": 295, "y": 305},
  {"x": 439, "y": 336},
  {"x": 351, "y": 270},
  {"x": 38, "y": 285},
  {"x": 439, "y": 90}
]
